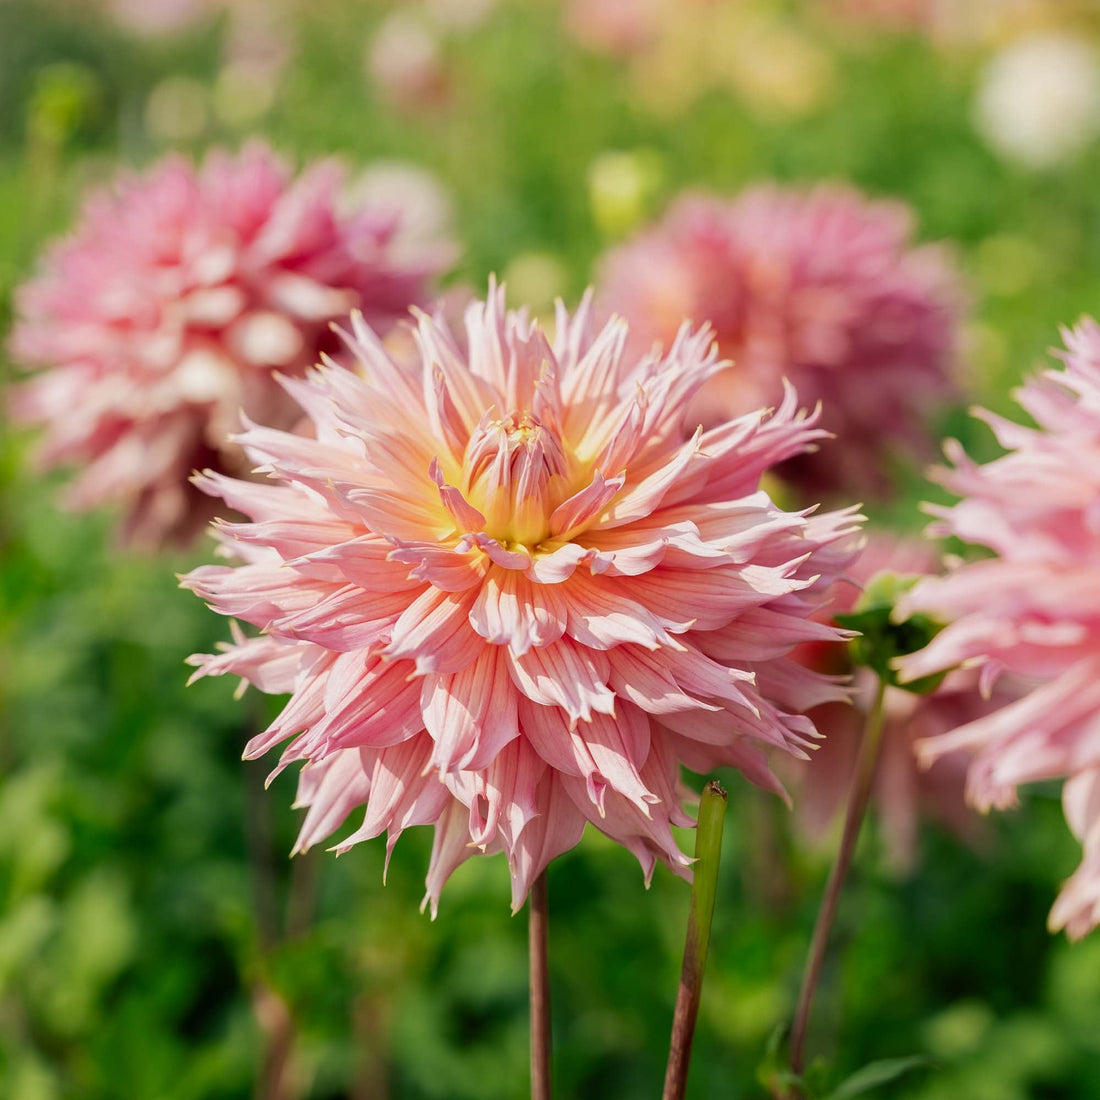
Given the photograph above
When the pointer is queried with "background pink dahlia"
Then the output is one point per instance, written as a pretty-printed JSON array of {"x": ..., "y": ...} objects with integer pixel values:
[
  {"x": 822, "y": 287},
  {"x": 1034, "y": 608},
  {"x": 508, "y": 597},
  {"x": 173, "y": 303}
]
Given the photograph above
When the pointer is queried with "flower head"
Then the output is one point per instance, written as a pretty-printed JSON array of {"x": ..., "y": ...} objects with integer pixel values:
[
  {"x": 173, "y": 304},
  {"x": 509, "y": 594},
  {"x": 1033, "y": 609},
  {"x": 820, "y": 287}
]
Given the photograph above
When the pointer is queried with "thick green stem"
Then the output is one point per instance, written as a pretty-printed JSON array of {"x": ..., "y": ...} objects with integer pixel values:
[
  {"x": 708, "y": 849},
  {"x": 858, "y": 797}
]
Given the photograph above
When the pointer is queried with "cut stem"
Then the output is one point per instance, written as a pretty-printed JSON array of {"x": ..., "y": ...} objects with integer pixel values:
[
  {"x": 538, "y": 927},
  {"x": 859, "y": 795},
  {"x": 708, "y": 849}
]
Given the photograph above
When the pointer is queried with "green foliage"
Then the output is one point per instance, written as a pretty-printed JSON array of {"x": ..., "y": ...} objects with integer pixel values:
[{"x": 131, "y": 890}]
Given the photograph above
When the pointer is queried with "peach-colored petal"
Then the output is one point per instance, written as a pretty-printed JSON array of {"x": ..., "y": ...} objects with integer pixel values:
[{"x": 470, "y": 714}]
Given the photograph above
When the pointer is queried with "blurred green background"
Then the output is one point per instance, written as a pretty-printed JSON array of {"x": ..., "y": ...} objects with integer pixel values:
[{"x": 152, "y": 930}]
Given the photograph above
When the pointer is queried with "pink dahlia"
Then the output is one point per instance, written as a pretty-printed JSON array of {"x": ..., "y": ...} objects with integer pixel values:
[
  {"x": 509, "y": 597},
  {"x": 904, "y": 792},
  {"x": 821, "y": 287},
  {"x": 174, "y": 303},
  {"x": 1033, "y": 609}
]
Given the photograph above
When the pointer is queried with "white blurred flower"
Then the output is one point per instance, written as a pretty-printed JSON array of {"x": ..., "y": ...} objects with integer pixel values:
[
  {"x": 404, "y": 61},
  {"x": 1039, "y": 100}
]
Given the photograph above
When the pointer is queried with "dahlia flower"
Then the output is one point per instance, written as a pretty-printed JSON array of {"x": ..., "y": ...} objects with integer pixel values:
[
  {"x": 904, "y": 792},
  {"x": 509, "y": 595},
  {"x": 173, "y": 304},
  {"x": 822, "y": 287},
  {"x": 1033, "y": 609}
]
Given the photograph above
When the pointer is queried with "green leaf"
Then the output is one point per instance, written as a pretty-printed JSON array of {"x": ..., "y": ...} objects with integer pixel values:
[
  {"x": 772, "y": 1072},
  {"x": 876, "y": 1074},
  {"x": 774, "y": 1046}
]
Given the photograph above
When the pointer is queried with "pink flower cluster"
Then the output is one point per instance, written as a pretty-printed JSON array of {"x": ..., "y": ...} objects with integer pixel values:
[
  {"x": 821, "y": 287},
  {"x": 1033, "y": 609},
  {"x": 173, "y": 304},
  {"x": 509, "y": 594}
]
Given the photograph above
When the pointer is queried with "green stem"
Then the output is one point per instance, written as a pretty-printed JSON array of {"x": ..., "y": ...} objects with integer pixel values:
[
  {"x": 538, "y": 927},
  {"x": 708, "y": 849},
  {"x": 858, "y": 797}
]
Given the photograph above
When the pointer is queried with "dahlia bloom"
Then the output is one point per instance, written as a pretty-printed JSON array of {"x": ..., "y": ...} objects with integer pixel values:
[
  {"x": 1033, "y": 609},
  {"x": 822, "y": 287},
  {"x": 904, "y": 792},
  {"x": 173, "y": 304},
  {"x": 509, "y": 595}
]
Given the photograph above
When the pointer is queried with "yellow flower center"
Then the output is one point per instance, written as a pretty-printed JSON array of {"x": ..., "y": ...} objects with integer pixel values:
[{"x": 516, "y": 474}]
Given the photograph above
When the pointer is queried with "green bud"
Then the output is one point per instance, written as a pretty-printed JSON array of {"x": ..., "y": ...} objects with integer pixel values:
[{"x": 882, "y": 639}]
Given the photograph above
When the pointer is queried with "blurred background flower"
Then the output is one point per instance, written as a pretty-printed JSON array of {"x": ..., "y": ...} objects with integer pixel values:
[
  {"x": 1033, "y": 610},
  {"x": 821, "y": 287},
  {"x": 404, "y": 60},
  {"x": 179, "y": 298},
  {"x": 1039, "y": 99}
]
